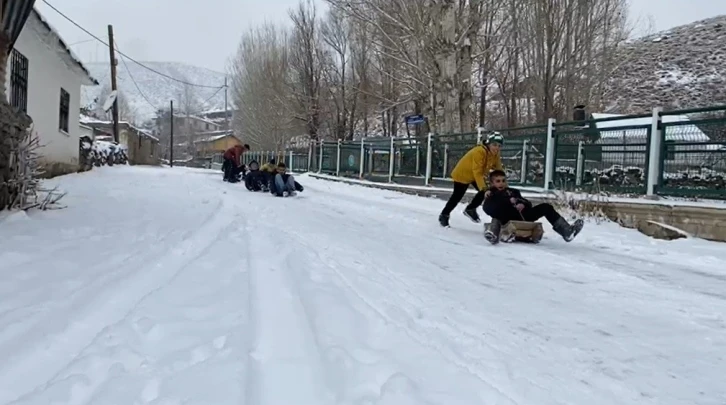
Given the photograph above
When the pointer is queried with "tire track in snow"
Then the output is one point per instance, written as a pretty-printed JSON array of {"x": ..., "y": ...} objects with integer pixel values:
[
  {"x": 451, "y": 330},
  {"x": 285, "y": 364},
  {"x": 112, "y": 305},
  {"x": 321, "y": 213}
]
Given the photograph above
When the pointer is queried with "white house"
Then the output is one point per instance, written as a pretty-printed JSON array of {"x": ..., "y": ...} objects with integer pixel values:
[{"x": 44, "y": 79}]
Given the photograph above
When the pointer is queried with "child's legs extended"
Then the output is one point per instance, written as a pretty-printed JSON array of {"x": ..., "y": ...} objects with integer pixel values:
[{"x": 539, "y": 211}]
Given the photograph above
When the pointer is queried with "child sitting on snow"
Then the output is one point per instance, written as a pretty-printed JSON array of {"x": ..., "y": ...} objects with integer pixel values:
[
  {"x": 506, "y": 204},
  {"x": 283, "y": 183},
  {"x": 255, "y": 179}
]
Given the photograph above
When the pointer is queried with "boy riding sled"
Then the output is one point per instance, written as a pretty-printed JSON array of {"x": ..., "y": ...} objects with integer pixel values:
[
  {"x": 472, "y": 170},
  {"x": 506, "y": 204}
]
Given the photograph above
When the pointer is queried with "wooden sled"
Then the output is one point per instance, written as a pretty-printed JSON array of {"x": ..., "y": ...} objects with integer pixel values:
[{"x": 520, "y": 231}]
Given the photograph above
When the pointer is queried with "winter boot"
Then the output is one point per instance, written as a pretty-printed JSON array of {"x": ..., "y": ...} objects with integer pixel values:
[
  {"x": 567, "y": 231},
  {"x": 472, "y": 214},
  {"x": 492, "y": 234},
  {"x": 444, "y": 220}
]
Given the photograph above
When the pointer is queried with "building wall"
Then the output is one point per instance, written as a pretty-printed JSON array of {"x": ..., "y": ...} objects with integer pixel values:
[
  {"x": 85, "y": 131},
  {"x": 141, "y": 150},
  {"x": 47, "y": 74}
]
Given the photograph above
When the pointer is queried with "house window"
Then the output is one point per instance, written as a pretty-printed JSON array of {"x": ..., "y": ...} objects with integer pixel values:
[
  {"x": 19, "y": 81},
  {"x": 64, "y": 116}
]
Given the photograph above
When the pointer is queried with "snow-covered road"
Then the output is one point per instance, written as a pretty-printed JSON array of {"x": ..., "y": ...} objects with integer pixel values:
[{"x": 167, "y": 286}]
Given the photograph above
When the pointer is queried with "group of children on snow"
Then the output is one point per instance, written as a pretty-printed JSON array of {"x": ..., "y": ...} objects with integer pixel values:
[
  {"x": 481, "y": 167},
  {"x": 270, "y": 177}
]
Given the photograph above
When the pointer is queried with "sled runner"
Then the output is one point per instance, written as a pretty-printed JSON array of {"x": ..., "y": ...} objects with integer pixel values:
[{"x": 520, "y": 231}]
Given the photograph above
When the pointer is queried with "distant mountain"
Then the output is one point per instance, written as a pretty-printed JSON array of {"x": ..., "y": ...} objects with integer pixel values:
[
  {"x": 683, "y": 67},
  {"x": 159, "y": 90}
]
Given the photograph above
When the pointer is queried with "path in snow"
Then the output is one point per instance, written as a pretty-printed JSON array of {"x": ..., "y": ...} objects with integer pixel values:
[{"x": 160, "y": 286}]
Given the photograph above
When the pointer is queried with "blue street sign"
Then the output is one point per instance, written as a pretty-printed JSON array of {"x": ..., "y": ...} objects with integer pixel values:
[{"x": 415, "y": 119}]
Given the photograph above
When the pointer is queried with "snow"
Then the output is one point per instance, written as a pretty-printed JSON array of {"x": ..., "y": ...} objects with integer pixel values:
[{"x": 168, "y": 286}]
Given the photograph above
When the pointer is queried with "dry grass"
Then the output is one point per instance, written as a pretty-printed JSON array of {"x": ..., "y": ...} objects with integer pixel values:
[
  {"x": 25, "y": 183},
  {"x": 586, "y": 205}
]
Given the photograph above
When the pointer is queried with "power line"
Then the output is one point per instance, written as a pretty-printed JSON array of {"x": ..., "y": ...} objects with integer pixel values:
[
  {"x": 212, "y": 96},
  {"x": 123, "y": 59},
  {"x": 126, "y": 56}
]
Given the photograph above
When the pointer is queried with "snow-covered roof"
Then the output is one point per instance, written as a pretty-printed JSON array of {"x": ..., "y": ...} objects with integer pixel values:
[
  {"x": 217, "y": 135},
  {"x": 195, "y": 117},
  {"x": 69, "y": 54},
  {"x": 94, "y": 122},
  {"x": 680, "y": 133}
]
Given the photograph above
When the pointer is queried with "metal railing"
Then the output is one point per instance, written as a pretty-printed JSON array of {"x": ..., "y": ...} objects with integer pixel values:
[{"x": 670, "y": 153}]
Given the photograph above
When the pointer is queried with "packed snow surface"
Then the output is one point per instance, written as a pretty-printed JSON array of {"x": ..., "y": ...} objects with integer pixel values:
[{"x": 167, "y": 286}]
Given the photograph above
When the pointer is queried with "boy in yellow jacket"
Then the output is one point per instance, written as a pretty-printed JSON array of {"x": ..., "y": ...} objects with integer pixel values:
[{"x": 473, "y": 170}]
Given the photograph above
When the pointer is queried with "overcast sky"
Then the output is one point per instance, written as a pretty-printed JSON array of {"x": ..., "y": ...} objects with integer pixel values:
[{"x": 206, "y": 32}]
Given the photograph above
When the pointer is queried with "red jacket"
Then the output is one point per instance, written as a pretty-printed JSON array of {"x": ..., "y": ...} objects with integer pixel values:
[{"x": 234, "y": 153}]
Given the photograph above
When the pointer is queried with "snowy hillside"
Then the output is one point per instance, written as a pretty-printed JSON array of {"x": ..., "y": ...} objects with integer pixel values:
[
  {"x": 679, "y": 68},
  {"x": 158, "y": 89}
]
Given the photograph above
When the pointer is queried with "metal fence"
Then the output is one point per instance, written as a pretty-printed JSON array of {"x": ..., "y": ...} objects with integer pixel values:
[{"x": 673, "y": 153}]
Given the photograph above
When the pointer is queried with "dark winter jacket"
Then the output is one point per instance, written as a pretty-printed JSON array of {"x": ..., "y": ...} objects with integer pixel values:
[
  {"x": 254, "y": 180},
  {"x": 499, "y": 198}
]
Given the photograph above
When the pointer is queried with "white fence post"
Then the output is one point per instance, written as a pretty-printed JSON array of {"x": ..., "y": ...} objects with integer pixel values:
[
  {"x": 479, "y": 131},
  {"x": 429, "y": 158},
  {"x": 310, "y": 156},
  {"x": 446, "y": 161},
  {"x": 362, "y": 156},
  {"x": 337, "y": 160},
  {"x": 580, "y": 165},
  {"x": 525, "y": 162},
  {"x": 291, "y": 162},
  {"x": 549, "y": 173},
  {"x": 391, "y": 160},
  {"x": 654, "y": 155},
  {"x": 320, "y": 159}
]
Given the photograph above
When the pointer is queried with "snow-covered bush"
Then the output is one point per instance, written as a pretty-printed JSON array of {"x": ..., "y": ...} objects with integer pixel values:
[
  {"x": 703, "y": 179},
  {"x": 101, "y": 153},
  {"x": 632, "y": 177}
]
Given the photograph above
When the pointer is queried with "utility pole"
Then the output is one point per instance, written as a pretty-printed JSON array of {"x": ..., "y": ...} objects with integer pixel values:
[
  {"x": 112, "y": 54},
  {"x": 226, "y": 115},
  {"x": 171, "y": 133}
]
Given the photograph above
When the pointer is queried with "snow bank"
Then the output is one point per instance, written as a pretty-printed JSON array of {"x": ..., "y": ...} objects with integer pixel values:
[{"x": 101, "y": 153}]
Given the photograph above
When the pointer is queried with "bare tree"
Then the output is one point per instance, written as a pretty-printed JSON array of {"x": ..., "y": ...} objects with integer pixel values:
[
  {"x": 306, "y": 65},
  {"x": 259, "y": 86},
  {"x": 368, "y": 63}
]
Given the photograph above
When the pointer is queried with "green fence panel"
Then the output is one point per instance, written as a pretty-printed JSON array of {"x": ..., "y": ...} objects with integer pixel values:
[
  {"x": 615, "y": 158},
  {"x": 329, "y": 154},
  {"x": 377, "y": 156},
  {"x": 693, "y": 158},
  {"x": 350, "y": 159},
  {"x": 410, "y": 156}
]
